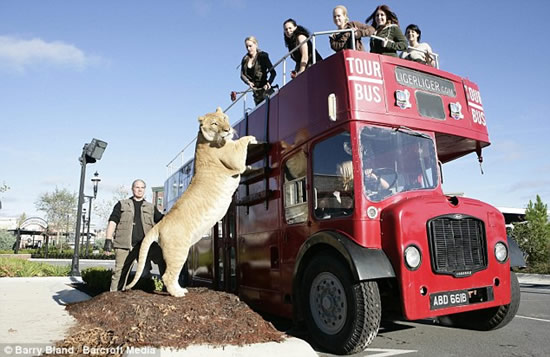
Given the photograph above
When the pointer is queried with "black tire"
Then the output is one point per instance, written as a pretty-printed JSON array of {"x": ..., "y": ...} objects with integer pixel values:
[
  {"x": 492, "y": 318},
  {"x": 342, "y": 317}
]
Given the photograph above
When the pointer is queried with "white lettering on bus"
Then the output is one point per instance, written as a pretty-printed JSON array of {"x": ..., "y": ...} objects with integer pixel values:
[
  {"x": 422, "y": 83},
  {"x": 473, "y": 95},
  {"x": 367, "y": 92},
  {"x": 478, "y": 117},
  {"x": 358, "y": 66}
]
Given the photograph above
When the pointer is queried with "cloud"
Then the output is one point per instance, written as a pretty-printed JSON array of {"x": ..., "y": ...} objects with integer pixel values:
[
  {"x": 509, "y": 150},
  {"x": 202, "y": 8},
  {"x": 529, "y": 185},
  {"x": 20, "y": 54},
  {"x": 236, "y": 4}
]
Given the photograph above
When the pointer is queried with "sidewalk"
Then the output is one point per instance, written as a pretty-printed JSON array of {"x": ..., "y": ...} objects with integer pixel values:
[
  {"x": 33, "y": 316},
  {"x": 533, "y": 279}
]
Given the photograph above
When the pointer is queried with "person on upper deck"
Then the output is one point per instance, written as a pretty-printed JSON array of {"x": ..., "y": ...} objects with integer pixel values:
[
  {"x": 341, "y": 41},
  {"x": 387, "y": 26},
  {"x": 294, "y": 35},
  {"x": 421, "y": 51},
  {"x": 255, "y": 67}
]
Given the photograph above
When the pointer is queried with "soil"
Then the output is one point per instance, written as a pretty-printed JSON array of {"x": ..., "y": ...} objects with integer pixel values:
[{"x": 136, "y": 318}]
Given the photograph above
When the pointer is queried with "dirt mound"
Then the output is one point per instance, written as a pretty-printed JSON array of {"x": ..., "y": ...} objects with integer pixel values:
[{"x": 136, "y": 318}]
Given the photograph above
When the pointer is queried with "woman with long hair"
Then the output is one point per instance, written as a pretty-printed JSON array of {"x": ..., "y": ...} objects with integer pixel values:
[
  {"x": 342, "y": 40},
  {"x": 387, "y": 26},
  {"x": 295, "y": 34},
  {"x": 255, "y": 66}
]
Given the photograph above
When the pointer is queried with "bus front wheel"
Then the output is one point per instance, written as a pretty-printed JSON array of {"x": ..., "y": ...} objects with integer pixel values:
[{"x": 343, "y": 317}]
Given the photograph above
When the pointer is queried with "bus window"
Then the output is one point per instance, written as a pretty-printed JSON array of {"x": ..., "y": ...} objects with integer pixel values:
[
  {"x": 333, "y": 177},
  {"x": 295, "y": 169},
  {"x": 396, "y": 161}
]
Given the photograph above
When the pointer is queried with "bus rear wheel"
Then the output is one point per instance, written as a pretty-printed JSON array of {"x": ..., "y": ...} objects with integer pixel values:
[
  {"x": 341, "y": 316},
  {"x": 489, "y": 319}
]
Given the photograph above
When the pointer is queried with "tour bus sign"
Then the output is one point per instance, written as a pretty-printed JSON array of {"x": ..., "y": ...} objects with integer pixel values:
[{"x": 423, "y": 81}]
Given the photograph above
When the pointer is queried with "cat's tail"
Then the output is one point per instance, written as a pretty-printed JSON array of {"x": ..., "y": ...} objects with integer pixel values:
[{"x": 150, "y": 237}]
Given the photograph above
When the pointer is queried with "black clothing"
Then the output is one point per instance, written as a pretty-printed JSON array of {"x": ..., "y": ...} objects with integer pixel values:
[
  {"x": 257, "y": 74},
  {"x": 137, "y": 231},
  {"x": 292, "y": 42}
]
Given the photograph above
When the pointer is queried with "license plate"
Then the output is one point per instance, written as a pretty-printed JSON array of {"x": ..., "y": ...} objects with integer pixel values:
[{"x": 448, "y": 299}]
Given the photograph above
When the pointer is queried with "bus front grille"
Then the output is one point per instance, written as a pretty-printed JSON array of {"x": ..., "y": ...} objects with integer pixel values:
[{"x": 458, "y": 245}]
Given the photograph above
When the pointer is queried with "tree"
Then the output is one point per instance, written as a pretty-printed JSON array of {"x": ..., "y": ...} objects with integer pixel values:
[
  {"x": 533, "y": 236},
  {"x": 59, "y": 207},
  {"x": 21, "y": 219},
  {"x": 4, "y": 187}
]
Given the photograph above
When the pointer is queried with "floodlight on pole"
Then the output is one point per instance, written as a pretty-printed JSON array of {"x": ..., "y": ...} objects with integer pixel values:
[{"x": 91, "y": 152}]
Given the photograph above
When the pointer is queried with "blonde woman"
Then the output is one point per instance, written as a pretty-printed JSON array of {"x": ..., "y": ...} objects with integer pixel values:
[
  {"x": 387, "y": 26},
  {"x": 255, "y": 67},
  {"x": 342, "y": 41}
]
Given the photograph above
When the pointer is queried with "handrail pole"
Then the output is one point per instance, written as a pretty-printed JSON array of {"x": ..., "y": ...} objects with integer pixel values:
[
  {"x": 284, "y": 72},
  {"x": 313, "y": 48},
  {"x": 353, "y": 40}
]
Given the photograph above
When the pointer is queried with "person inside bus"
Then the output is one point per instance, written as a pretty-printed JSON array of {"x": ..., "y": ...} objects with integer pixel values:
[
  {"x": 387, "y": 26},
  {"x": 294, "y": 35},
  {"x": 255, "y": 67},
  {"x": 420, "y": 52},
  {"x": 341, "y": 41},
  {"x": 375, "y": 185},
  {"x": 375, "y": 182}
]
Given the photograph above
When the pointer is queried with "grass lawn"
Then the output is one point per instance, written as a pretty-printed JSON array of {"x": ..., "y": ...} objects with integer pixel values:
[{"x": 14, "y": 267}]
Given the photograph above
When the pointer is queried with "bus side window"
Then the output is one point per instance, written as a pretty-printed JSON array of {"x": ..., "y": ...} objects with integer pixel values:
[
  {"x": 333, "y": 177},
  {"x": 295, "y": 169}
]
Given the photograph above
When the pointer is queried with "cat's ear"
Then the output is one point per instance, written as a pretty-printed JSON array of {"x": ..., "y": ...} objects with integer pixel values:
[
  {"x": 201, "y": 119},
  {"x": 219, "y": 110}
]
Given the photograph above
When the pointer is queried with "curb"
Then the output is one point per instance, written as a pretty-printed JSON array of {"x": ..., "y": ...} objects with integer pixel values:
[
  {"x": 537, "y": 279},
  {"x": 290, "y": 347}
]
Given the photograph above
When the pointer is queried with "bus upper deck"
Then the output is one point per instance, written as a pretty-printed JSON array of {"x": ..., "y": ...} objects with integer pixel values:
[{"x": 355, "y": 85}]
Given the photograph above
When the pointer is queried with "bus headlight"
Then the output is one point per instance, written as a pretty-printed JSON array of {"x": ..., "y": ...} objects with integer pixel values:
[
  {"x": 501, "y": 252},
  {"x": 413, "y": 257}
]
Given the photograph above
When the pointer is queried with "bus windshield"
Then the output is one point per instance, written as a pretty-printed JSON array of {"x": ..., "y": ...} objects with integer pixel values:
[{"x": 396, "y": 160}]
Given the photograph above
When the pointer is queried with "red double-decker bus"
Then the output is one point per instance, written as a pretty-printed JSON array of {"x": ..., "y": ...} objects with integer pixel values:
[{"x": 341, "y": 215}]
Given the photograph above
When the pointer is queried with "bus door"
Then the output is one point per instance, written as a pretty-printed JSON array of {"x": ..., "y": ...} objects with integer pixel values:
[
  {"x": 295, "y": 215},
  {"x": 225, "y": 252}
]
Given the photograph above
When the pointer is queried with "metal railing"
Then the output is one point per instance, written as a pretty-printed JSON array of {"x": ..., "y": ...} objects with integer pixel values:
[{"x": 243, "y": 94}]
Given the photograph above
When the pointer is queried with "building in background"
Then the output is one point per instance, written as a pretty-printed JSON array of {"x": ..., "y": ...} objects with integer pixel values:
[{"x": 158, "y": 197}]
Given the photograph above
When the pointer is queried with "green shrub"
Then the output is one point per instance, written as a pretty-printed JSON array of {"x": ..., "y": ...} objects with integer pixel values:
[
  {"x": 99, "y": 279},
  {"x": 7, "y": 240},
  {"x": 14, "y": 267},
  {"x": 56, "y": 254}
]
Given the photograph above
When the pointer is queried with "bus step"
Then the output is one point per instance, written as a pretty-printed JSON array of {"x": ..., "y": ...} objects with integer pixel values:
[
  {"x": 257, "y": 152},
  {"x": 255, "y": 198},
  {"x": 252, "y": 175}
]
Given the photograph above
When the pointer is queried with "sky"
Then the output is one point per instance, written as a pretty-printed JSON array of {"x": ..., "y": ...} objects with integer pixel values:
[{"x": 137, "y": 74}]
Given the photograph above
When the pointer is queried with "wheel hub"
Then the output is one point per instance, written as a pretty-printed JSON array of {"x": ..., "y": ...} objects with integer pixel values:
[{"x": 328, "y": 303}]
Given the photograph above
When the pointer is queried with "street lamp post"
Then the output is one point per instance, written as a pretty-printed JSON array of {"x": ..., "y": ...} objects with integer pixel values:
[
  {"x": 91, "y": 152},
  {"x": 95, "y": 180}
]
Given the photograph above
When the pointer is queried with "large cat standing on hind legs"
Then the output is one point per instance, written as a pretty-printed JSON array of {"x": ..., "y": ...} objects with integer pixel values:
[{"x": 219, "y": 161}]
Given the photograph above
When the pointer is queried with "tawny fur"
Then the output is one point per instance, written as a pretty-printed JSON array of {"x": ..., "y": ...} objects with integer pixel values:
[{"x": 219, "y": 161}]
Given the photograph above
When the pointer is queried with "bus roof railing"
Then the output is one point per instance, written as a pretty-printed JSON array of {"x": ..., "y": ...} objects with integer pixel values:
[{"x": 243, "y": 94}]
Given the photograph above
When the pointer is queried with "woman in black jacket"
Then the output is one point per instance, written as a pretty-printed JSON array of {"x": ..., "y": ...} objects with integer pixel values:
[
  {"x": 255, "y": 67},
  {"x": 294, "y": 35}
]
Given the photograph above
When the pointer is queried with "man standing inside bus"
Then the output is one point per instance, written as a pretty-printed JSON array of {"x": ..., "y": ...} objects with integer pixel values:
[{"x": 130, "y": 221}]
